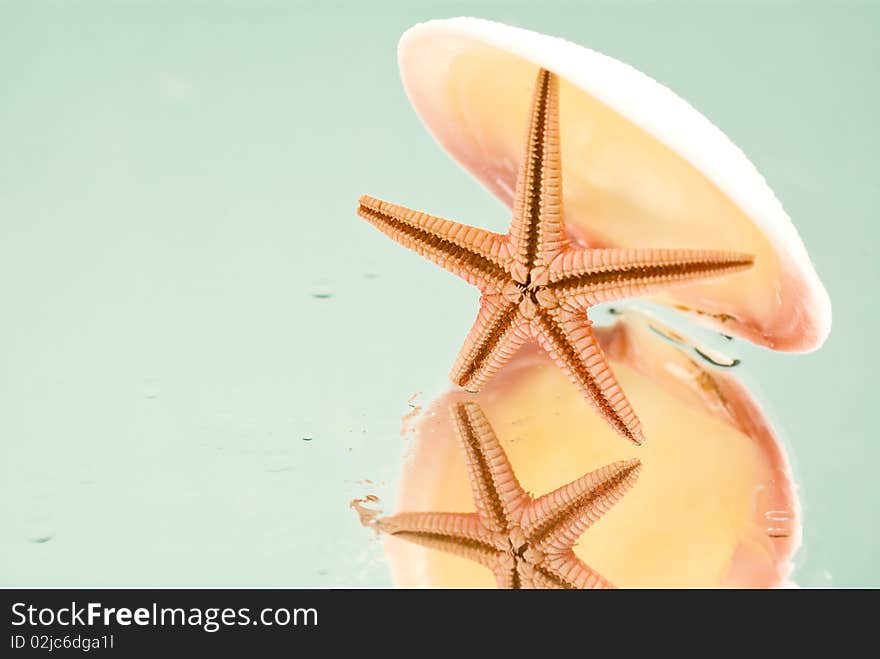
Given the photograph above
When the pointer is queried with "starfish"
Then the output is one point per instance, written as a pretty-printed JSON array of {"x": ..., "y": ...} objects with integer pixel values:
[
  {"x": 526, "y": 542},
  {"x": 535, "y": 284}
]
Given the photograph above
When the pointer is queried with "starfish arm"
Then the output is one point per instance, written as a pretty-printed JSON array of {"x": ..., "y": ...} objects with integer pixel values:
[
  {"x": 568, "y": 338},
  {"x": 537, "y": 232},
  {"x": 461, "y": 534},
  {"x": 492, "y": 341},
  {"x": 586, "y": 277},
  {"x": 568, "y": 571},
  {"x": 506, "y": 571},
  {"x": 555, "y": 521},
  {"x": 499, "y": 499},
  {"x": 475, "y": 255}
]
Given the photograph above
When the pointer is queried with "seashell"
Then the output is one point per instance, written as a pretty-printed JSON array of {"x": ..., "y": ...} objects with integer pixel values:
[
  {"x": 641, "y": 168},
  {"x": 714, "y": 506}
]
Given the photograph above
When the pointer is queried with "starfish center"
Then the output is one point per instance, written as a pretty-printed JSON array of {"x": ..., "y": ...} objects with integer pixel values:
[
  {"x": 530, "y": 292},
  {"x": 516, "y": 550},
  {"x": 531, "y": 297},
  {"x": 520, "y": 550}
]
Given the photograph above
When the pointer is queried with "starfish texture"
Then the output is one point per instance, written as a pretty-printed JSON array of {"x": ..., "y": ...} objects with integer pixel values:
[
  {"x": 535, "y": 284},
  {"x": 526, "y": 542}
]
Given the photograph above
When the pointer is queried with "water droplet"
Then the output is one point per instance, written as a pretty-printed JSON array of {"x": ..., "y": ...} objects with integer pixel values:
[
  {"x": 669, "y": 333},
  {"x": 780, "y": 523},
  {"x": 41, "y": 539},
  {"x": 322, "y": 289},
  {"x": 716, "y": 358},
  {"x": 709, "y": 355}
]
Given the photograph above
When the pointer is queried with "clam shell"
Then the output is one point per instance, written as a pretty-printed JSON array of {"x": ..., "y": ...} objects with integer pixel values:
[
  {"x": 715, "y": 504},
  {"x": 641, "y": 167}
]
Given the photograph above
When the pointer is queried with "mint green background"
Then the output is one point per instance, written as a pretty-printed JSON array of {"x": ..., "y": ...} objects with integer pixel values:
[{"x": 177, "y": 180}]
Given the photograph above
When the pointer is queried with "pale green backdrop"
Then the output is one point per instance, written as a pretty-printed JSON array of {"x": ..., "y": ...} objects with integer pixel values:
[{"x": 183, "y": 404}]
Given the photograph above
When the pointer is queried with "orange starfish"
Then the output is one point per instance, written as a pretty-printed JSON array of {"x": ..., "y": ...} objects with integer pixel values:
[
  {"x": 535, "y": 285},
  {"x": 526, "y": 542}
]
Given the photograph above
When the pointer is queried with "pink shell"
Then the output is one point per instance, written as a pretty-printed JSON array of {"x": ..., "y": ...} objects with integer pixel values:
[{"x": 780, "y": 303}]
